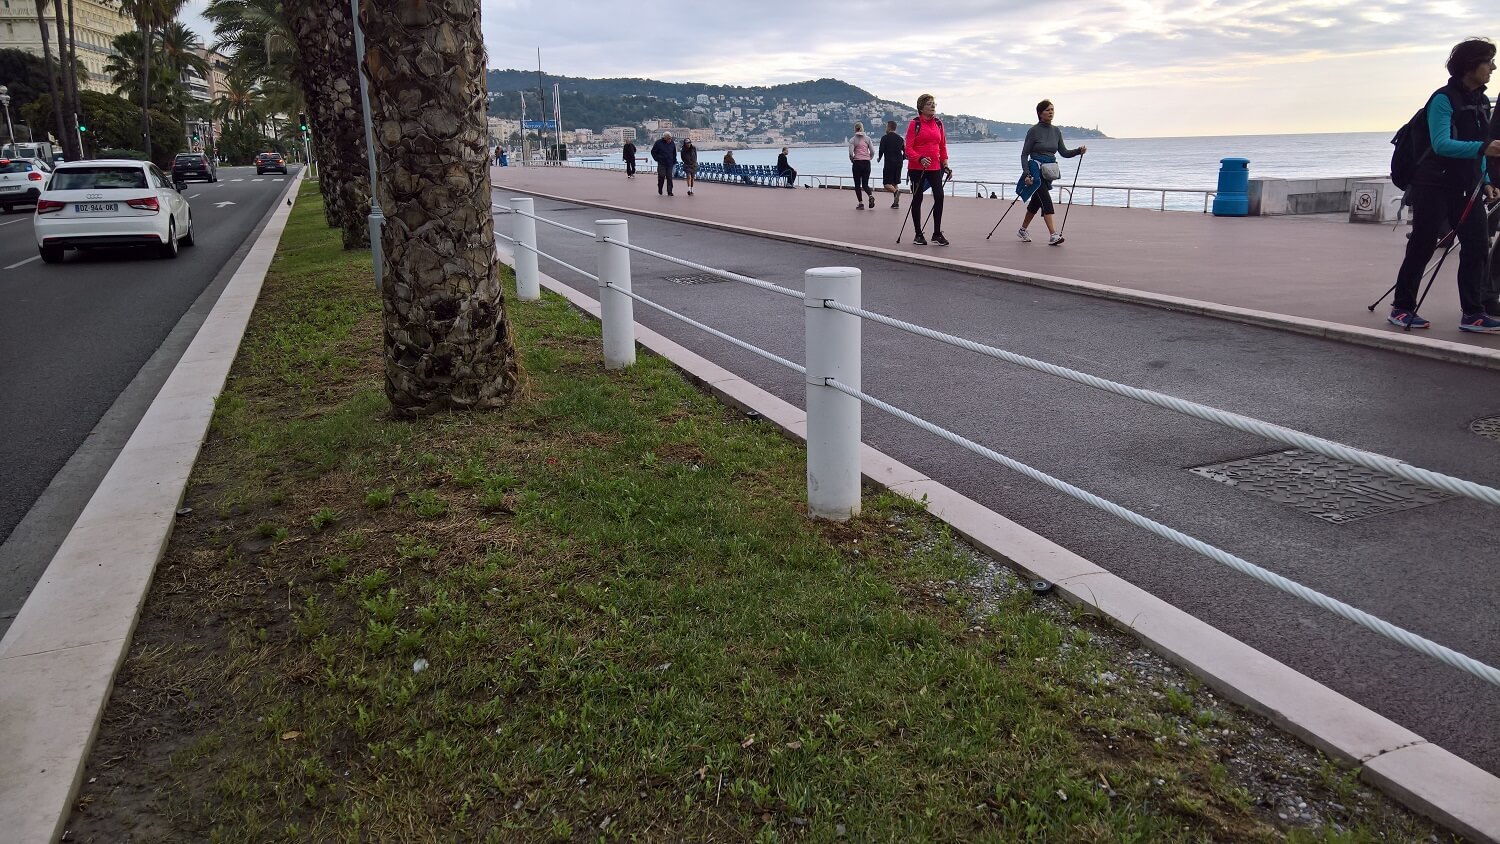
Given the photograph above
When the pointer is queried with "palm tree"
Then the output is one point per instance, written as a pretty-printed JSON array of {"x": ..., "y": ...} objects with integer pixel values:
[
  {"x": 57, "y": 110},
  {"x": 324, "y": 32},
  {"x": 149, "y": 14},
  {"x": 256, "y": 33},
  {"x": 447, "y": 337}
]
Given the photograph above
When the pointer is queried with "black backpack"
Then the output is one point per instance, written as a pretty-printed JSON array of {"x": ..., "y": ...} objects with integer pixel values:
[{"x": 1412, "y": 146}]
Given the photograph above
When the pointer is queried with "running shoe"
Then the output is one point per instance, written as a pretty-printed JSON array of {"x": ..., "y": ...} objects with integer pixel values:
[
  {"x": 919, "y": 240},
  {"x": 1480, "y": 323},
  {"x": 1055, "y": 240},
  {"x": 1023, "y": 236},
  {"x": 937, "y": 238},
  {"x": 896, "y": 204},
  {"x": 860, "y": 206},
  {"x": 1402, "y": 318}
]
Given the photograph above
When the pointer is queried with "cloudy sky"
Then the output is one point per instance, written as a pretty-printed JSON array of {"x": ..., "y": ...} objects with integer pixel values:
[{"x": 1134, "y": 68}]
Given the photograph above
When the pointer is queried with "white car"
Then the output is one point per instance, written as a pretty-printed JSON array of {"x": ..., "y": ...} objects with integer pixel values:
[
  {"x": 21, "y": 181},
  {"x": 111, "y": 202}
]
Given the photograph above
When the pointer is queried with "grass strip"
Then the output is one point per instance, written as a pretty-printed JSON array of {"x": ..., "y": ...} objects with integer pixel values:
[{"x": 603, "y": 615}]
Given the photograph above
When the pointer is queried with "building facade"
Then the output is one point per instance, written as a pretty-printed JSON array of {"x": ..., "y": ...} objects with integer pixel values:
[{"x": 98, "y": 24}]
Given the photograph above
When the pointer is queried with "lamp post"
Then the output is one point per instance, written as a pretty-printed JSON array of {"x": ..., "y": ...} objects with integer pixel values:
[
  {"x": 377, "y": 219},
  {"x": 10, "y": 130}
]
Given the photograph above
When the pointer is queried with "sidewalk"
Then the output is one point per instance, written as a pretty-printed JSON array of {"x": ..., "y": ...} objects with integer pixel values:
[{"x": 1305, "y": 275}]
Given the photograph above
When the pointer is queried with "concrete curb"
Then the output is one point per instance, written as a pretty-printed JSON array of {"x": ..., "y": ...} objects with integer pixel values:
[
  {"x": 1444, "y": 350},
  {"x": 59, "y": 658},
  {"x": 1415, "y": 772}
]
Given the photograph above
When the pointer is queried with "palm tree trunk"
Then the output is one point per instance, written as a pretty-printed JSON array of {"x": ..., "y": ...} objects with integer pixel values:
[
  {"x": 447, "y": 337},
  {"x": 75, "y": 102},
  {"x": 146, "y": 87},
  {"x": 325, "y": 42},
  {"x": 69, "y": 144},
  {"x": 56, "y": 91}
]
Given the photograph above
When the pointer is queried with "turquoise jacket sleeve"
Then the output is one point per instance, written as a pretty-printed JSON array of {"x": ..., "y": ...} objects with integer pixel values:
[{"x": 1440, "y": 130}]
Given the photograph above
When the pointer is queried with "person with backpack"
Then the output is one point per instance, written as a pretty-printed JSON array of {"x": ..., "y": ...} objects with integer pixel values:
[
  {"x": 1043, "y": 144},
  {"x": 628, "y": 153},
  {"x": 664, "y": 153},
  {"x": 927, "y": 166},
  {"x": 1448, "y": 186},
  {"x": 893, "y": 153},
  {"x": 860, "y": 153}
]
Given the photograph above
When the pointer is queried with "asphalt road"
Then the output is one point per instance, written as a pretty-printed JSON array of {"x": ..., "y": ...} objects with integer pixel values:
[
  {"x": 1432, "y": 569},
  {"x": 74, "y": 336}
]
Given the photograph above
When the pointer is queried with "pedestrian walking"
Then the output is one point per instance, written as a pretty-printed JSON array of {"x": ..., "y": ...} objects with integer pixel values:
[
  {"x": 893, "y": 153},
  {"x": 861, "y": 151},
  {"x": 1492, "y": 168},
  {"x": 664, "y": 153},
  {"x": 628, "y": 153},
  {"x": 1447, "y": 187},
  {"x": 784, "y": 169},
  {"x": 927, "y": 167},
  {"x": 1043, "y": 144},
  {"x": 689, "y": 163}
]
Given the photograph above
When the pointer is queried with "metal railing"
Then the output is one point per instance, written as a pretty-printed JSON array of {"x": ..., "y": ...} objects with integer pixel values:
[
  {"x": 833, "y": 316},
  {"x": 1127, "y": 196}
]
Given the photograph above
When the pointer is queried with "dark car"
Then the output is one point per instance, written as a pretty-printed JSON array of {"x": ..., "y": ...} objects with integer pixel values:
[
  {"x": 270, "y": 162},
  {"x": 193, "y": 165}
]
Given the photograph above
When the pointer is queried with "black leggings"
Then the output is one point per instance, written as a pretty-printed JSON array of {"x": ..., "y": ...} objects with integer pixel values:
[
  {"x": 933, "y": 180},
  {"x": 1434, "y": 211},
  {"x": 862, "y": 179},
  {"x": 1041, "y": 201}
]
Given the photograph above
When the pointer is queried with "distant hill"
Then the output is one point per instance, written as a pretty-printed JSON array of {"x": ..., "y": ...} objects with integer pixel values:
[{"x": 815, "y": 111}]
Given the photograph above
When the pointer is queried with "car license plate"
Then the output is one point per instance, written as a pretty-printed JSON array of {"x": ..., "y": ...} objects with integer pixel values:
[
  {"x": 9, "y": 187},
  {"x": 96, "y": 207}
]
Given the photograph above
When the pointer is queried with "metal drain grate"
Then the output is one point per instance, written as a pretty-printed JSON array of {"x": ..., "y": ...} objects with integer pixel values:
[
  {"x": 701, "y": 278},
  {"x": 1488, "y": 427},
  {"x": 1326, "y": 489}
]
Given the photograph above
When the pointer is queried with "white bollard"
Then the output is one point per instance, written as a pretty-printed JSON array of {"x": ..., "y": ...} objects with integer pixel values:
[
  {"x": 833, "y": 418},
  {"x": 616, "y": 310},
  {"x": 523, "y": 229}
]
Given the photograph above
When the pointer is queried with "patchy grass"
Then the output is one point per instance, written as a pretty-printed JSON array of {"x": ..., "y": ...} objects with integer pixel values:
[{"x": 602, "y": 615}]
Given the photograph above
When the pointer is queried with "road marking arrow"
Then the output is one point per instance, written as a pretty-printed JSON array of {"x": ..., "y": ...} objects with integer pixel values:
[{"x": 222, "y": 204}]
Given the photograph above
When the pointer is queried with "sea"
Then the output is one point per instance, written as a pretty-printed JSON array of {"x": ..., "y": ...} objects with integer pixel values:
[{"x": 1186, "y": 163}]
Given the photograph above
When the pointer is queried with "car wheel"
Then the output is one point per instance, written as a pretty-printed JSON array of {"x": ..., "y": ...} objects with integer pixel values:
[
  {"x": 187, "y": 239},
  {"x": 169, "y": 249},
  {"x": 51, "y": 254}
]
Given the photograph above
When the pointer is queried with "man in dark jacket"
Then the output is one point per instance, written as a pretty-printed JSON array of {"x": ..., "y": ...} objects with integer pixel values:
[
  {"x": 628, "y": 153},
  {"x": 664, "y": 153},
  {"x": 784, "y": 169}
]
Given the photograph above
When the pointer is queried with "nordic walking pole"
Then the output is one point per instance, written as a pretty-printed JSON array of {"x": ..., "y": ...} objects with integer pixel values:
[
  {"x": 1070, "y": 196},
  {"x": 916, "y": 192},
  {"x": 947, "y": 174},
  {"x": 1452, "y": 244},
  {"x": 1003, "y": 216}
]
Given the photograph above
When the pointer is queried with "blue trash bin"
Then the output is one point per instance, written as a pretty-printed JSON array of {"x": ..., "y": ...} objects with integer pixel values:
[{"x": 1233, "y": 196}]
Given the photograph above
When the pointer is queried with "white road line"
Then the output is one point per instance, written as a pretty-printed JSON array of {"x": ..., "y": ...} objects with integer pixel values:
[
  {"x": 257, "y": 180},
  {"x": 278, "y": 180},
  {"x": 237, "y": 180},
  {"x": 9, "y": 222},
  {"x": 27, "y": 261}
]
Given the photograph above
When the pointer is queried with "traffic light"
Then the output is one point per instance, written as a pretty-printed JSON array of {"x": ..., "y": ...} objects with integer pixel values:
[
  {"x": 81, "y": 127},
  {"x": 195, "y": 137},
  {"x": 302, "y": 120}
]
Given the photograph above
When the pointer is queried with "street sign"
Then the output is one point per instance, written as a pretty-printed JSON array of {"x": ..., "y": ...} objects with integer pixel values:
[{"x": 539, "y": 124}]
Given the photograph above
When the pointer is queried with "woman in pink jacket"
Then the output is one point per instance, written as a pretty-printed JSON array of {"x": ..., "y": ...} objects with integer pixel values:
[{"x": 927, "y": 166}]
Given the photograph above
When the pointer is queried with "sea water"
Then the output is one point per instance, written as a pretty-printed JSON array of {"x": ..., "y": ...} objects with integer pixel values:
[{"x": 1188, "y": 163}]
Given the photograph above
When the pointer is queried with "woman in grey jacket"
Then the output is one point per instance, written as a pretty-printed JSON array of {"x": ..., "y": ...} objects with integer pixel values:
[{"x": 1044, "y": 142}]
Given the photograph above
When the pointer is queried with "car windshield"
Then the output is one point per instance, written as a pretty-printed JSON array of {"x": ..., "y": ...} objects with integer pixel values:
[
  {"x": 107, "y": 178},
  {"x": 15, "y": 167},
  {"x": 190, "y": 159}
]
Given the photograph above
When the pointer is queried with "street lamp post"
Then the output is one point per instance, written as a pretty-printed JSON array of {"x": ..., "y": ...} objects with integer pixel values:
[
  {"x": 10, "y": 130},
  {"x": 377, "y": 219}
]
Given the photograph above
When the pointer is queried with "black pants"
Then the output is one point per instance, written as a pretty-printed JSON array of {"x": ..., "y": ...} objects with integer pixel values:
[
  {"x": 932, "y": 179},
  {"x": 862, "y": 179},
  {"x": 664, "y": 177},
  {"x": 1435, "y": 209},
  {"x": 790, "y": 175},
  {"x": 630, "y": 166},
  {"x": 1041, "y": 200}
]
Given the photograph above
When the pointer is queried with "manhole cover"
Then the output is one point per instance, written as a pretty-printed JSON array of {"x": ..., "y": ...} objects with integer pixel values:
[
  {"x": 701, "y": 278},
  {"x": 1330, "y": 490},
  {"x": 1488, "y": 427}
]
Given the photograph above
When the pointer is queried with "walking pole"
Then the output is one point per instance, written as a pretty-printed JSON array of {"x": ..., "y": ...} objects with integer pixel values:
[
  {"x": 917, "y": 192},
  {"x": 1070, "y": 197},
  {"x": 947, "y": 174},
  {"x": 1003, "y": 216},
  {"x": 1478, "y": 189}
]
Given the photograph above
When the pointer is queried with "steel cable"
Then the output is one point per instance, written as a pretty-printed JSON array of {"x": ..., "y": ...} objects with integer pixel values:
[{"x": 795, "y": 367}]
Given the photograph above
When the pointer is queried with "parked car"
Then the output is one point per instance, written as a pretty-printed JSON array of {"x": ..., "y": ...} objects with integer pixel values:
[
  {"x": 112, "y": 202},
  {"x": 267, "y": 162},
  {"x": 21, "y": 181},
  {"x": 193, "y": 165}
]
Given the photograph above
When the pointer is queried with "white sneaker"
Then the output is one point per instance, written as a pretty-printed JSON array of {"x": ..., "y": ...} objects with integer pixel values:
[
  {"x": 1023, "y": 236},
  {"x": 1055, "y": 239},
  {"x": 690, "y": 191}
]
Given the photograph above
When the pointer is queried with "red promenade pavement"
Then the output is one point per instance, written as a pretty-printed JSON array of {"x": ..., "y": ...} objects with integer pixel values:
[{"x": 1298, "y": 267}]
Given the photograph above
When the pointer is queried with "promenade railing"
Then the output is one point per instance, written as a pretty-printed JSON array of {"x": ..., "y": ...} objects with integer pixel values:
[
  {"x": 833, "y": 320},
  {"x": 1113, "y": 196}
]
